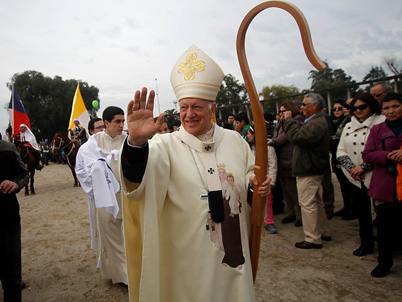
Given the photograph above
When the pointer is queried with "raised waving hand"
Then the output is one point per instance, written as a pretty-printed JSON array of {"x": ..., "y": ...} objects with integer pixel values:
[{"x": 140, "y": 118}]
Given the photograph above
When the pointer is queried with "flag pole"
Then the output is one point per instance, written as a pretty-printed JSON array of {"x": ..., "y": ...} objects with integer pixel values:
[
  {"x": 12, "y": 112},
  {"x": 157, "y": 94}
]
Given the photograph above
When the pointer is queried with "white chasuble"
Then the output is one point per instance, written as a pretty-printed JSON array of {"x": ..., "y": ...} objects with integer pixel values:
[{"x": 174, "y": 251}]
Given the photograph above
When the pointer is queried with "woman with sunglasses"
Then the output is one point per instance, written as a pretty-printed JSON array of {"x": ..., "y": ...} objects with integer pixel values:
[
  {"x": 339, "y": 120},
  {"x": 366, "y": 114},
  {"x": 284, "y": 152},
  {"x": 383, "y": 149}
]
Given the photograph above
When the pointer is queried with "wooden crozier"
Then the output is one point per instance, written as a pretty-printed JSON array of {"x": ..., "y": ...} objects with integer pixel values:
[{"x": 261, "y": 154}]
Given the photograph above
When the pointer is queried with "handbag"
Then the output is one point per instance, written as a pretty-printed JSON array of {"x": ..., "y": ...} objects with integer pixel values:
[
  {"x": 391, "y": 167},
  {"x": 390, "y": 164}
]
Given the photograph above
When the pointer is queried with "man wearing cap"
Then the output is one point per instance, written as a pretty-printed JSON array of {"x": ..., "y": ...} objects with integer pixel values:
[{"x": 183, "y": 242}]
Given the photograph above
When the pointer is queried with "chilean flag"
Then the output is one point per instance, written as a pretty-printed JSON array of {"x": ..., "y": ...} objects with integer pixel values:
[{"x": 18, "y": 115}]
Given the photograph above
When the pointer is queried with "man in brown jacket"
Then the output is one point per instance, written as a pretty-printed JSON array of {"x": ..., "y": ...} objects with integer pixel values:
[{"x": 310, "y": 158}]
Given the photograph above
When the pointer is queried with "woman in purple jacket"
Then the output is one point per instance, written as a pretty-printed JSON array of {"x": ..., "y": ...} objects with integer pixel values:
[{"x": 383, "y": 149}]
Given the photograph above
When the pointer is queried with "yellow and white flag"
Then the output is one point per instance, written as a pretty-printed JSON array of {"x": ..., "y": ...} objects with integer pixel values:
[{"x": 79, "y": 111}]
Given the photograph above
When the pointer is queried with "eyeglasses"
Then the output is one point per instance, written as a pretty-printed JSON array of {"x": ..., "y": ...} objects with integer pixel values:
[
  {"x": 282, "y": 111},
  {"x": 100, "y": 127},
  {"x": 378, "y": 94},
  {"x": 361, "y": 107},
  {"x": 340, "y": 108},
  {"x": 305, "y": 104}
]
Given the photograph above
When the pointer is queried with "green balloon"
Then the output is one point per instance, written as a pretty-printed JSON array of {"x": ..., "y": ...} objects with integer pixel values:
[{"x": 95, "y": 104}]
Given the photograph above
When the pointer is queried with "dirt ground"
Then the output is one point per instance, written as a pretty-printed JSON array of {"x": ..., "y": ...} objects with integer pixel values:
[{"x": 58, "y": 265}]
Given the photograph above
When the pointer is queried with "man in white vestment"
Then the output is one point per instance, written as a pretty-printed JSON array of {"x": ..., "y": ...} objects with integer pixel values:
[
  {"x": 97, "y": 171},
  {"x": 95, "y": 125},
  {"x": 182, "y": 244}
]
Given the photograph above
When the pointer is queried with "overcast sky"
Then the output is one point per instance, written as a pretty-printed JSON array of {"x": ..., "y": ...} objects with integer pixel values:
[{"x": 122, "y": 45}]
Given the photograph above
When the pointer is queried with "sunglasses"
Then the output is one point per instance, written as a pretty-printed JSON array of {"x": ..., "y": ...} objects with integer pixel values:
[
  {"x": 361, "y": 107},
  {"x": 340, "y": 108},
  {"x": 282, "y": 111},
  {"x": 305, "y": 104},
  {"x": 378, "y": 94}
]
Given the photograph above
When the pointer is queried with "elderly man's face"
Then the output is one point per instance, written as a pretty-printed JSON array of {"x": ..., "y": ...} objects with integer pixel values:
[
  {"x": 196, "y": 115},
  {"x": 308, "y": 109},
  {"x": 377, "y": 92}
]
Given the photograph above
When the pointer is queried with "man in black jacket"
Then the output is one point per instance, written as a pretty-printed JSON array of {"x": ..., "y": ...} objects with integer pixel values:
[
  {"x": 13, "y": 177},
  {"x": 310, "y": 160}
]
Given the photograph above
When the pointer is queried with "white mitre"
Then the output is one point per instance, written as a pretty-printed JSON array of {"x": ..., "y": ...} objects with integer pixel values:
[{"x": 196, "y": 75}]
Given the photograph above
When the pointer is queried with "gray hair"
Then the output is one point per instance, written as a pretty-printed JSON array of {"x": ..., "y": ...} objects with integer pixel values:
[
  {"x": 385, "y": 86},
  {"x": 316, "y": 98}
]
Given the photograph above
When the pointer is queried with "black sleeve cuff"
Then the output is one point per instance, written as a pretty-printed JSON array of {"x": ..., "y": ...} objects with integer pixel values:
[
  {"x": 134, "y": 161},
  {"x": 250, "y": 192}
]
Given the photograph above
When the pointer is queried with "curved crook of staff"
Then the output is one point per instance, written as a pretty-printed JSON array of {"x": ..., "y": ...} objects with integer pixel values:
[{"x": 261, "y": 154}]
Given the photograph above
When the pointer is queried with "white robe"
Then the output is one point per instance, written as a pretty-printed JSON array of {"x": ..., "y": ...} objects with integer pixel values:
[
  {"x": 29, "y": 137},
  {"x": 93, "y": 168},
  {"x": 170, "y": 252}
]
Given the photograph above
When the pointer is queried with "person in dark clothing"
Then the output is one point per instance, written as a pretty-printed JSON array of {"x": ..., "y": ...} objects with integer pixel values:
[
  {"x": 277, "y": 193},
  {"x": 284, "y": 151},
  {"x": 310, "y": 160},
  {"x": 230, "y": 123},
  {"x": 384, "y": 151},
  {"x": 13, "y": 177},
  {"x": 269, "y": 123},
  {"x": 339, "y": 120},
  {"x": 328, "y": 192}
]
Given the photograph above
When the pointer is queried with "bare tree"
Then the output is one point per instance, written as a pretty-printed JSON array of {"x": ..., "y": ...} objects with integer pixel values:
[{"x": 392, "y": 65}]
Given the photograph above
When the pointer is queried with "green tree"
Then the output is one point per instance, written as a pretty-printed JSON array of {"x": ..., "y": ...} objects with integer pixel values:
[
  {"x": 375, "y": 73},
  {"x": 332, "y": 80},
  {"x": 230, "y": 93},
  {"x": 275, "y": 92},
  {"x": 171, "y": 115},
  {"x": 48, "y": 101}
]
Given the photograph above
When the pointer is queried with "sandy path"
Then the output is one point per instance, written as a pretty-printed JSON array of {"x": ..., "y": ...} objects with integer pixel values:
[{"x": 58, "y": 264}]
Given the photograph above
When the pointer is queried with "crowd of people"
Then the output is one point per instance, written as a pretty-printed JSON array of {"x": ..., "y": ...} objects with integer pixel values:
[
  {"x": 365, "y": 162},
  {"x": 169, "y": 205}
]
